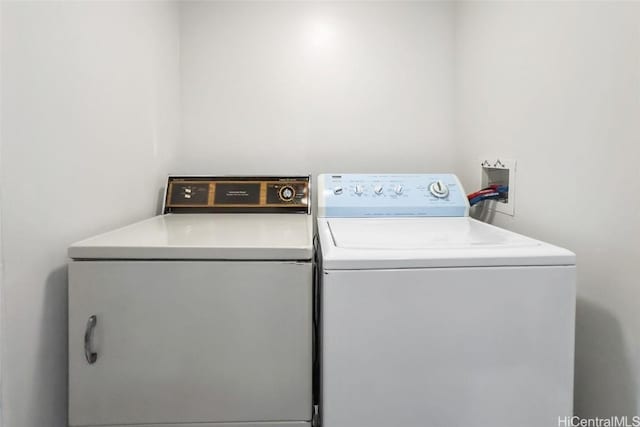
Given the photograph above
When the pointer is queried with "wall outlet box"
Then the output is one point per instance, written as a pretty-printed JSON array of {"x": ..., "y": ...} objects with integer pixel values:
[{"x": 500, "y": 171}]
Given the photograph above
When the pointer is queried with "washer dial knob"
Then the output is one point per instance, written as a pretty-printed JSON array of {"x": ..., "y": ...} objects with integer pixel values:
[
  {"x": 359, "y": 189},
  {"x": 378, "y": 189},
  {"x": 398, "y": 189},
  {"x": 337, "y": 191},
  {"x": 439, "y": 189},
  {"x": 287, "y": 193}
]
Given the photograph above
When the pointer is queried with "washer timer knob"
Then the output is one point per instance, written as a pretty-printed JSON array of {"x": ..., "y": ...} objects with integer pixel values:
[
  {"x": 287, "y": 193},
  {"x": 359, "y": 189},
  {"x": 439, "y": 189},
  {"x": 398, "y": 189},
  {"x": 378, "y": 189}
]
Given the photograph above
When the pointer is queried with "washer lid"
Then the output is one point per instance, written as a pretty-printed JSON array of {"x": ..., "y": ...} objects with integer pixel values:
[
  {"x": 205, "y": 236},
  {"x": 364, "y": 243}
]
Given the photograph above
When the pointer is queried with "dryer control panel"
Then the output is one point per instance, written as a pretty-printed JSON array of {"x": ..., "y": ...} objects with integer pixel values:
[
  {"x": 237, "y": 194},
  {"x": 391, "y": 195}
]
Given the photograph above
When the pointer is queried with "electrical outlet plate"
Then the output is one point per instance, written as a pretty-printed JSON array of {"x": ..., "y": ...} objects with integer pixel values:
[{"x": 496, "y": 170}]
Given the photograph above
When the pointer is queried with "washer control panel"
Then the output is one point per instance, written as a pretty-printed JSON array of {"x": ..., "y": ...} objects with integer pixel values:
[{"x": 389, "y": 195}]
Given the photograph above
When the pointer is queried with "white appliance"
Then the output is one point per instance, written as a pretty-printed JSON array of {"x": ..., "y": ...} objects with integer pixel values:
[
  {"x": 199, "y": 317},
  {"x": 431, "y": 318}
]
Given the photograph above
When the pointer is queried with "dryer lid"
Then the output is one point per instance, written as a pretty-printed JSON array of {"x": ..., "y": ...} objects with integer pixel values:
[
  {"x": 205, "y": 237},
  {"x": 359, "y": 243}
]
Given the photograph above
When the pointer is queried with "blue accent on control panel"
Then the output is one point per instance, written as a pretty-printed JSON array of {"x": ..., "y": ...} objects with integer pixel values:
[{"x": 392, "y": 195}]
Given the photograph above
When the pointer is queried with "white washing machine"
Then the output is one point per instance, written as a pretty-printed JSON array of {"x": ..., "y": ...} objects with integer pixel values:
[
  {"x": 199, "y": 317},
  {"x": 430, "y": 318}
]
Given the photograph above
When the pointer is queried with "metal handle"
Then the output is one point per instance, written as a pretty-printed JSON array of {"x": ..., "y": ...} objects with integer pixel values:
[{"x": 88, "y": 336}]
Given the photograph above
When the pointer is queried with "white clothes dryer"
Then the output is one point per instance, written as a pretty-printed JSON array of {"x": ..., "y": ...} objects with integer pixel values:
[{"x": 198, "y": 317}]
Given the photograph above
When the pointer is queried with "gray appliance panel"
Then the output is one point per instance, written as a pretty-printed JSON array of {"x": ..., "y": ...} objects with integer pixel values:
[{"x": 181, "y": 342}]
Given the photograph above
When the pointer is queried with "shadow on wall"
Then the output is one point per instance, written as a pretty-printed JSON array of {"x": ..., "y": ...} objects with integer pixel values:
[
  {"x": 483, "y": 212},
  {"x": 54, "y": 328},
  {"x": 160, "y": 201},
  {"x": 603, "y": 372}
]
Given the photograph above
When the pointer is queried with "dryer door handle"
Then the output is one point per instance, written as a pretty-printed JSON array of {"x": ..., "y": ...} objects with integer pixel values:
[{"x": 89, "y": 354}]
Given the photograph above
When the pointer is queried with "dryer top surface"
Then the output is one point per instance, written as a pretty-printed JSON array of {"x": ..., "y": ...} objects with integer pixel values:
[{"x": 205, "y": 236}]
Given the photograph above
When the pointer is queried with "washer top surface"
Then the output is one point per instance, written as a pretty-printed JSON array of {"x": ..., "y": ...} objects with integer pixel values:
[
  {"x": 205, "y": 236},
  {"x": 379, "y": 243}
]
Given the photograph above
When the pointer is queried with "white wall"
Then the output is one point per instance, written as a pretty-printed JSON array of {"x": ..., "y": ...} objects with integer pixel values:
[
  {"x": 273, "y": 87},
  {"x": 556, "y": 85},
  {"x": 90, "y": 121},
  {"x": 90, "y": 112}
]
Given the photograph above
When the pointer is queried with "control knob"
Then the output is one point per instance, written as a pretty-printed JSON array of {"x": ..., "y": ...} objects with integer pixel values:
[
  {"x": 378, "y": 189},
  {"x": 398, "y": 189},
  {"x": 337, "y": 191},
  {"x": 359, "y": 189},
  {"x": 439, "y": 189},
  {"x": 287, "y": 193}
]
